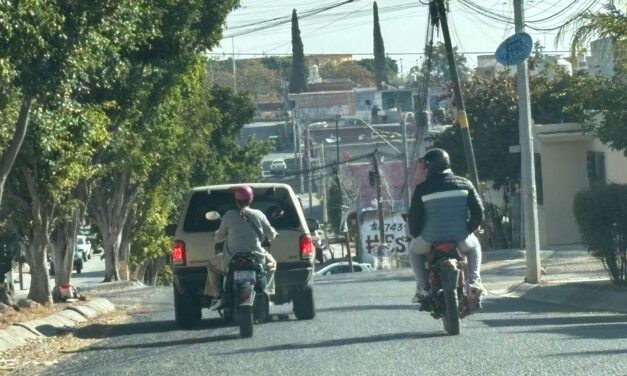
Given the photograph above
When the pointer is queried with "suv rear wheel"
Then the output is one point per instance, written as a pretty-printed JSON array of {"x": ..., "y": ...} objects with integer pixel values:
[
  {"x": 186, "y": 309},
  {"x": 304, "y": 307}
]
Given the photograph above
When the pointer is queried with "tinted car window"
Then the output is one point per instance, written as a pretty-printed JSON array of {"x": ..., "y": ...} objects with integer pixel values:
[{"x": 268, "y": 200}]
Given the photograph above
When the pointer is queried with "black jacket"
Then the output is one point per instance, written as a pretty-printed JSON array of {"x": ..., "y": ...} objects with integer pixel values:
[{"x": 447, "y": 206}]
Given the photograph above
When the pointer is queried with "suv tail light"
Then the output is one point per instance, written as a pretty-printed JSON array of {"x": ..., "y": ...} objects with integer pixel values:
[
  {"x": 307, "y": 248},
  {"x": 178, "y": 253}
]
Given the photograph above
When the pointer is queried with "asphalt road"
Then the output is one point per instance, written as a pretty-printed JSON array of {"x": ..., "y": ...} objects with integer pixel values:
[
  {"x": 91, "y": 275},
  {"x": 365, "y": 325}
]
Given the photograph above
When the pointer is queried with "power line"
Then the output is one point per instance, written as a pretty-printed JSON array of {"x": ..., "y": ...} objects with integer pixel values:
[
  {"x": 358, "y": 53},
  {"x": 284, "y": 20}
]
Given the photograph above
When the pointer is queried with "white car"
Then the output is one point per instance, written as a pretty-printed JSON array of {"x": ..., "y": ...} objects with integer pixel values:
[
  {"x": 278, "y": 166},
  {"x": 343, "y": 267}
]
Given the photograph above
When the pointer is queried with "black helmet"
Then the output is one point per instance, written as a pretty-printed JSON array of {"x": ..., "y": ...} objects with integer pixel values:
[{"x": 436, "y": 160}]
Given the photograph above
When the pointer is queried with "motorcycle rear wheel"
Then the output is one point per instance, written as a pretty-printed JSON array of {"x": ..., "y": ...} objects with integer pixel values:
[
  {"x": 245, "y": 318},
  {"x": 450, "y": 318}
]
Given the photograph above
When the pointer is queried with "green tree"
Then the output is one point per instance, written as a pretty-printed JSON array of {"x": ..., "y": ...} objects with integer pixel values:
[
  {"x": 439, "y": 73},
  {"x": 252, "y": 76},
  {"x": 41, "y": 46},
  {"x": 380, "y": 70},
  {"x": 604, "y": 96},
  {"x": 612, "y": 23},
  {"x": 141, "y": 82},
  {"x": 493, "y": 112},
  {"x": 348, "y": 69},
  {"x": 298, "y": 75},
  {"x": 391, "y": 67},
  {"x": 55, "y": 158},
  {"x": 48, "y": 50}
]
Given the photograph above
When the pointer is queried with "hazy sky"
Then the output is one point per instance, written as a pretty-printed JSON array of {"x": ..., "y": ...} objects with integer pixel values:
[{"x": 348, "y": 28}]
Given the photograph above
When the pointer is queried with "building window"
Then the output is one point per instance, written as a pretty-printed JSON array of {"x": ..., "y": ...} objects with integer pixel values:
[
  {"x": 539, "y": 190},
  {"x": 596, "y": 167}
]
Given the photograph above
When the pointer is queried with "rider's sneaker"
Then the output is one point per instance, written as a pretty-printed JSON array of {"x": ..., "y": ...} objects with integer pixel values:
[
  {"x": 421, "y": 294},
  {"x": 217, "y": 304},
  {"x": 477, "y": 288}
]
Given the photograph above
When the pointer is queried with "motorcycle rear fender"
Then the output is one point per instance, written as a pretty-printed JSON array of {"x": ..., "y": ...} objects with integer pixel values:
[
  {"x": 244, "y": 294},
  {"x": 449, "y": 274}
]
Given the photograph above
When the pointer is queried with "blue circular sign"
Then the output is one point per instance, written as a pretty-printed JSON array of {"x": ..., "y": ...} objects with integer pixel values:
[{"x": 515, "y": 49}]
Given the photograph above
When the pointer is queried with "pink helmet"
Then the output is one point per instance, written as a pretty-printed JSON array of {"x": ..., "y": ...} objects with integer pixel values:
[{"x": 244, "y": 193}]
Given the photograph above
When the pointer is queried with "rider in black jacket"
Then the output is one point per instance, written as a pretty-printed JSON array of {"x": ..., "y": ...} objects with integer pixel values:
[{"x": 444, "y": 207}]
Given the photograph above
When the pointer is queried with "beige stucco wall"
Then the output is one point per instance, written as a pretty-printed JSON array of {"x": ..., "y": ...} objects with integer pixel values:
[{"x": 564, "y": 162}]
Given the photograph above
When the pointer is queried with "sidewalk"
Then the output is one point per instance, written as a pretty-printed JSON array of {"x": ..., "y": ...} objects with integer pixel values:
[{"x": 570, "y": 277}]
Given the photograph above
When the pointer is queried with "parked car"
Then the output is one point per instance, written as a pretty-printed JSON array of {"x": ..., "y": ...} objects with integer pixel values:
[
  {"x": 344, "y": 267},
  {"x": 193, "y": 244},
  {"x": 278, "y": 166},
  {"x": 77, "y": 262},
  {"x": 84, "y": 246}
]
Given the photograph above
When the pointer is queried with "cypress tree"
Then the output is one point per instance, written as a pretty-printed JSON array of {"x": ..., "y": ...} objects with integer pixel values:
[
  {"x": 298, "y": 77},
  {"x": 379, "y": 50}
]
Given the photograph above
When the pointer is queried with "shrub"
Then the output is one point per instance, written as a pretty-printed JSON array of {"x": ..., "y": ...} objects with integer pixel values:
[{"x": 601, "y": 214}]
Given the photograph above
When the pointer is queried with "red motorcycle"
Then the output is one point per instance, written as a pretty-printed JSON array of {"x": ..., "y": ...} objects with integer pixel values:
[{"x": 450, "y": 297}]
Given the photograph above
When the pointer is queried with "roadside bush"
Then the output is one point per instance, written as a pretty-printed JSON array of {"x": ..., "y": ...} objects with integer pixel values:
[
  {"x": 165, "y": 276},
  {"x": 601, "y": 214}
]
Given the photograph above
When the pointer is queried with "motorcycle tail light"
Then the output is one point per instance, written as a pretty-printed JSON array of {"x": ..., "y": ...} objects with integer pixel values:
[
  {"x": 178, "y": 253},
  {"x": 244, "y": 262},
  {"x": 244, "y": 295},
  {"x": 445, "y": 247}
]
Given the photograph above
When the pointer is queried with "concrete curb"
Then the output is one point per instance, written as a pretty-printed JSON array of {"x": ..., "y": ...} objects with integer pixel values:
[
  {"x": 18, "y": 333},
  {"x": 588, "y": 294},
  {"x": 109, "y": 286}
]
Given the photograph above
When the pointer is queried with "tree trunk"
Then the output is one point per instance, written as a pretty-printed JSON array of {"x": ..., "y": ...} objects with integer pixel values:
[
  {"x": 125, "y": 253},
  {"x": 36, "y": 252},
  {"x": 10, "y": 154},
  {"x": 39, "y": 282},
  {"x": 7, "y": 294},
  {"x": 110, "y": 205},
  {"x": 151, "y": 269},
  {"x": 63, "y": 251}
]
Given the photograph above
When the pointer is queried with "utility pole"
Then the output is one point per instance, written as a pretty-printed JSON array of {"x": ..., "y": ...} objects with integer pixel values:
[
  {"x": 528, "y": 185},
  {"x": 323, "y": 183},
  {"x": 300, "y": 158},
  {"x": 377, "y": 181},
  {"x": 295, "y": 134},
  {"x": 234, "y": 69},
  {"x": 337, "y": 139},
  {"x": 462, "y": 119},
  {"x": 308, "y": 151},
  {"x": 407, "y": 195}
]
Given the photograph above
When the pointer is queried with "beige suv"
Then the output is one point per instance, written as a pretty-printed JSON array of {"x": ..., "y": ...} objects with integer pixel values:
[{"x": 193, "y": 244}]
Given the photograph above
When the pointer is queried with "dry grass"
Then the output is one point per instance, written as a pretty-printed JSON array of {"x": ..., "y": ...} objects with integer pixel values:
[
  {"x": 40, "y": 353},
  {"x": 10, "y": 316}
]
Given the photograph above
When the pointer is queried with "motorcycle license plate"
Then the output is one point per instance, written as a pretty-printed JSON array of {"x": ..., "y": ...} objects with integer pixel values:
[{"x": 244, "y": 275}]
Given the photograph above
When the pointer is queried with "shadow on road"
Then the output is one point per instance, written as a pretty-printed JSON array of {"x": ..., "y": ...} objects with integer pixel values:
[
  {"x": 597, "y": 331},
  {"x": 150, "y": 345},
  {"x": 589, "y": 353},
  {"x": 94, "y": 274},
  {"x": 573, "y": 322},
  {"x": 383, "y": 307},
  {"x": 340, "y": 342},
  {"x": 557, "y": 321},
  {"x": 98, "y": 331}
]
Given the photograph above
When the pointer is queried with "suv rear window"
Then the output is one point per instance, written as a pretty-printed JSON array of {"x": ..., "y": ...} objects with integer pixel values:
[{"x": 268, "y": 200}]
